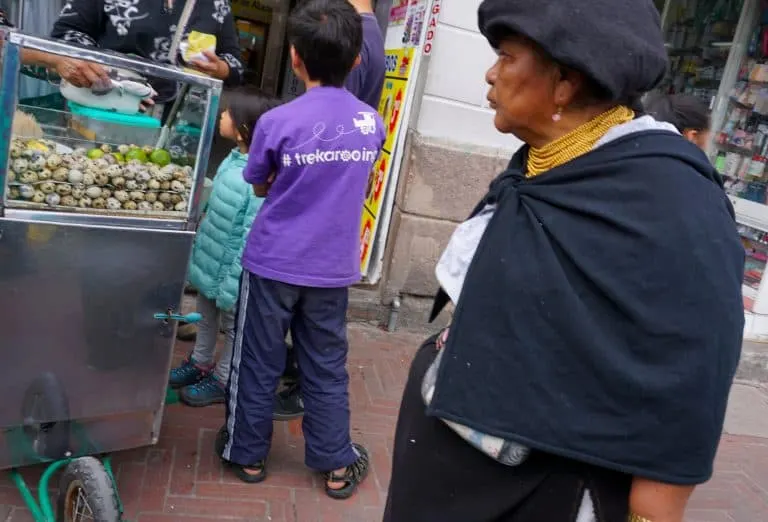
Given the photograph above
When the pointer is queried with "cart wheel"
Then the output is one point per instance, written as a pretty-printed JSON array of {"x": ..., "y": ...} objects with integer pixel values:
[
  {"x": 44, "y": 400},
  {"x": 87, "y": 492}
]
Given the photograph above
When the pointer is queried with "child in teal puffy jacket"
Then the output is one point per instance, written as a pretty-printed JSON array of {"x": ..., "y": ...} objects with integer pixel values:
[{"x": 214, "y": 268}]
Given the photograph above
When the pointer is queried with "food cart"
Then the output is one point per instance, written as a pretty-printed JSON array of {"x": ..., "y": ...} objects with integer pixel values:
[{"x": 98, "y": 211}]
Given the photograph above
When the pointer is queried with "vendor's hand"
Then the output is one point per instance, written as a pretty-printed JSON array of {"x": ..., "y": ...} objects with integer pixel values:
[
  {"x": 215, "y": 66},
  {"x": 442, "y": 338},
  {"x": 81, "y": 73},
  {"x": 146, "y": 104}
]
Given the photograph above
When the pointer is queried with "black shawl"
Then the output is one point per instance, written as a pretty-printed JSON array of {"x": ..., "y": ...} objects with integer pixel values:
[{"x": 601, "y": 318}]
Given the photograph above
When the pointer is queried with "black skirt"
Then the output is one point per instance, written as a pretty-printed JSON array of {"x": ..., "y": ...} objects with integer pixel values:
[{"x": 438, "y": 477}]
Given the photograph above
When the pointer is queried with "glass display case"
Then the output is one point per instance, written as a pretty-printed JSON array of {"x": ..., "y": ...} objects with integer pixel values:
[{"x": 105, "y": 159}]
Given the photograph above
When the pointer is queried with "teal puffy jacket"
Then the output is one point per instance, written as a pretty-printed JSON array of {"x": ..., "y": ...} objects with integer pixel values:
[{"x": 215, "y": 268}]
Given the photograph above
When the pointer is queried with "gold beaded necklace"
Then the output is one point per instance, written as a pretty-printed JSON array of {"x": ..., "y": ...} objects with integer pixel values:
[{"x": 579, "y": 141}]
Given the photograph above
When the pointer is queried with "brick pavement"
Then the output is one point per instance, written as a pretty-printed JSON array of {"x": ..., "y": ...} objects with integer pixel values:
[{"x": 180, "y": 480}]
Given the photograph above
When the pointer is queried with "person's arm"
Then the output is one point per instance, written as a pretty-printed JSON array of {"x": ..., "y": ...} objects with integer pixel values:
[
  {"x": 657, "y": 502},
  {"x": 262, "y": 160},
  {"x": 80, "y": 22}
]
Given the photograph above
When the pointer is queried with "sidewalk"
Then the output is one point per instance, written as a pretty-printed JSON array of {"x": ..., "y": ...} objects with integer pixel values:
[{"x": 180, "y": 480}]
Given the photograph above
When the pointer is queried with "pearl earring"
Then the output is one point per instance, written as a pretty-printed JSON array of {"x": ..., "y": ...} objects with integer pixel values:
[{"x": 558, "y": 115}]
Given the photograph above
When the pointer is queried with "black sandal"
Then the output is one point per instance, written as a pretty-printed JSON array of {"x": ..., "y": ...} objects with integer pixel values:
[
  {"x": 240, "y": 472},
  {"x": 353, "y": 476}
]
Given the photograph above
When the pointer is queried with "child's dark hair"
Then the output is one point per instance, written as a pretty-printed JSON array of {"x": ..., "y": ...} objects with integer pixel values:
[
  {"x": 684, "y": 111},
  {"x": 246, "y": 104},
  {"x": 327, "y": 35}
]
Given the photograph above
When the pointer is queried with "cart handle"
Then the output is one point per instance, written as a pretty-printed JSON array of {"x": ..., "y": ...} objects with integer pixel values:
[{"x": 193, "y": 317}]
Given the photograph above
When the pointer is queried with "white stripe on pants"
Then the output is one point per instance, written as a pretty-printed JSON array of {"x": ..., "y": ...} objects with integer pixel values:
[{"x": 237, "y": 355}]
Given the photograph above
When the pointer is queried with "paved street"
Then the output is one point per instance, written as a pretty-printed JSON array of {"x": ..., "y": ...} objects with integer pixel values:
[{"x": 180, "y": 480}]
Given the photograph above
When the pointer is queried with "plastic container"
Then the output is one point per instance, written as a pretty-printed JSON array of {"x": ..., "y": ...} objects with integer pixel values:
[{"x": 100, "y": 126}]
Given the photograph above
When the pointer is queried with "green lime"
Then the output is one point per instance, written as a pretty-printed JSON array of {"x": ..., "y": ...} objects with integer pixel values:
[
  {"x": 160, "y": 157},
  {"x": 136, "y": 154},
  {"x": 95, "y": 154},
  {"x": 119, "y": 157}
]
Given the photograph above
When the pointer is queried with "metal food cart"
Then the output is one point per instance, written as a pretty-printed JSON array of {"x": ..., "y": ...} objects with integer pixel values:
[{"x": 95, "y": 237}]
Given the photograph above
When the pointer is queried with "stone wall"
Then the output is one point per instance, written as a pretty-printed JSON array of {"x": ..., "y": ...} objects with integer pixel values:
[{"x": 439, "y": 185}]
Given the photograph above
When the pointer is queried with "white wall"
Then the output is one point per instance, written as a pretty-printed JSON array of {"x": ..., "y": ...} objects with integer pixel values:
[{"x": 454, "y": 105}]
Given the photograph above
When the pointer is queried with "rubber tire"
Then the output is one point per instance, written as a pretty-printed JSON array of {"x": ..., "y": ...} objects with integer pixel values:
[
  {"x": 97, "y": 487},
  {"x": 55, "y": 435}
]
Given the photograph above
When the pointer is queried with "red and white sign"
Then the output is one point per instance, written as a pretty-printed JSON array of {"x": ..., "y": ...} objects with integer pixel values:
[{"x": 432, "y": 27}]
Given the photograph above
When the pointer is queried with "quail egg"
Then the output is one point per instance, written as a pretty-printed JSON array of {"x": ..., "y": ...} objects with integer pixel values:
[
  {"x": 165, "y": 197},
  {"x": 93, "y": 192},
  {"x": 181, "y": 206},
  {"x": 130, "y": 184},
  {"x": 47, "y": 187},
  {"x": 26, "y": 191},
  {"x": 64, "y": 189},
  {"x": 129, "y": 173},
  {"x": 187, "y": 170},
  {"x": 168, "y": 206},
  {"x": 80, "y": 152},
  {"x": 143, "y": 176},
  {"x": 106, "y": 148},
  {"x": 118, "y": 182},
  {"x": 151, "y": 196},
  {"x": 16, "y": 150},
  {"x": 85, "y": 202},
  {"x": 157, "y": 205},
  {"x": 100, "y": 179},
  {"x": 20, "y": 165},
  {"x": 154, "y": 171},
  {"x": 106, "y": 193},
  {"x": 113, "y": 204},
  {"x": 28, "y": 177},
  {"x": 54, "y": 161},
  {"x": 75, "y": 176},
  {"x": 78, "y": 191},
  {"x": 147, "y": 149},
  {"x": 111, "y": 159},
  {"x": 121, "y": 195},
  {"x": 53, "y": 199},
  {"x": 123, "y": 149},
  {"x": 44, "y": 174},
  {"x": 68, "y": 201},
  {"x": 136, "y": 195},
  {"x": 142, "y": 186},
  {"x": 99, "y": 203},
  {"x": 38, "y": 196},
  {"x": 11, "y": 176},
  {"x": 130, "y": 205},
  {"x": 101, "y": 164},
  {"x": 15, "y": 193},
  {"x": 165, "y": 185},
  {"x": 153, "y": 184},
  {"x": 144, "y": 205},
  {"x": 113, "y": 171},
  {"x": 176, "y": 198},
  {"x": 88, "y": 179},
  {"x": 60, "y": 174},
  {"x": 37, "y": 163},
  {"x": 135, "y": 163},
  {"x": 177, "y": 186},
  {"x": 188, "y": 183},
  {"x": 179, "y": 175}
]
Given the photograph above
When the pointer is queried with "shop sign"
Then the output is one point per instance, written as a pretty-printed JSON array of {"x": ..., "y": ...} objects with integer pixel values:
[
  {"x": 432, "y": 27},
  {"x": 398, "y": 69}
]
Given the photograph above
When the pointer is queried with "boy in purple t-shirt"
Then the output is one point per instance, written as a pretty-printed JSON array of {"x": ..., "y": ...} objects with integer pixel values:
[{"x": 311, "y": 158}]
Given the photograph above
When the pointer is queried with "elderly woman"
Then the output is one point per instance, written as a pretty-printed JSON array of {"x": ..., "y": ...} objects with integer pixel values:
[{"x": 597, "y": 285}]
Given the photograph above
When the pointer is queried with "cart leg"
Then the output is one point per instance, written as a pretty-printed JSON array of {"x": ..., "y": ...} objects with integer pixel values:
[{"x": 41, "y": 509}]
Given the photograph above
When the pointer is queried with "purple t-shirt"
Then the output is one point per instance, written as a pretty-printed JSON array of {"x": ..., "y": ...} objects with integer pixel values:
[
  {"x": 321, "y": 146},
  {"x": 367, "y": 79}
]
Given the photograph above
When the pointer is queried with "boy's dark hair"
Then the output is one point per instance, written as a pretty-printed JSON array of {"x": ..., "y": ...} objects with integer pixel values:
[
  {"x": 246, "y": 104},
  {"x": 327, "y": 35},
  {"x": 684, "y": 111}
]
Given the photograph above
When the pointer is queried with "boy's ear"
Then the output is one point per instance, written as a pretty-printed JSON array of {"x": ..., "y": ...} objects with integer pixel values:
[
  {"x": 295, "y": 60},
  {"x": 357, "y": 62}
]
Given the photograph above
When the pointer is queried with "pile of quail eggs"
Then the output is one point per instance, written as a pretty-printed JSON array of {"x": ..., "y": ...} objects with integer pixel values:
[{"x": 37, "y": 174}]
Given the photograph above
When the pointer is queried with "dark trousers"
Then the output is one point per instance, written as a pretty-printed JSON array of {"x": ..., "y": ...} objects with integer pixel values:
[
  {"x": 317, "y": 318},
  {"x": 438, "y": 477}
]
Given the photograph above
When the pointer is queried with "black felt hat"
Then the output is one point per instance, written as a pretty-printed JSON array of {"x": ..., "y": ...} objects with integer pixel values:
[{"x": 616, "y": 43}]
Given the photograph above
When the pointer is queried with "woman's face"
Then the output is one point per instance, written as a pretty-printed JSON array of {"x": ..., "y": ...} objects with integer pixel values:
[{"x": 523, "y": 90}]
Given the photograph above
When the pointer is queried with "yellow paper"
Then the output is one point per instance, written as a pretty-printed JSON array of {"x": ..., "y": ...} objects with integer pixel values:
[{"x": 197, "y": 43}]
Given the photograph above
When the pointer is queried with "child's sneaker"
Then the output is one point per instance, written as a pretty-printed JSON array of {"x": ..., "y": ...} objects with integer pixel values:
[
  {"x": 188, "y": 373},
  {"x": 203, "y": 393}
]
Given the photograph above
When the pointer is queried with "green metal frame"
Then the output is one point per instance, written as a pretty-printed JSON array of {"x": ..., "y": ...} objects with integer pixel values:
[{"x": 41, "y": 508}]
